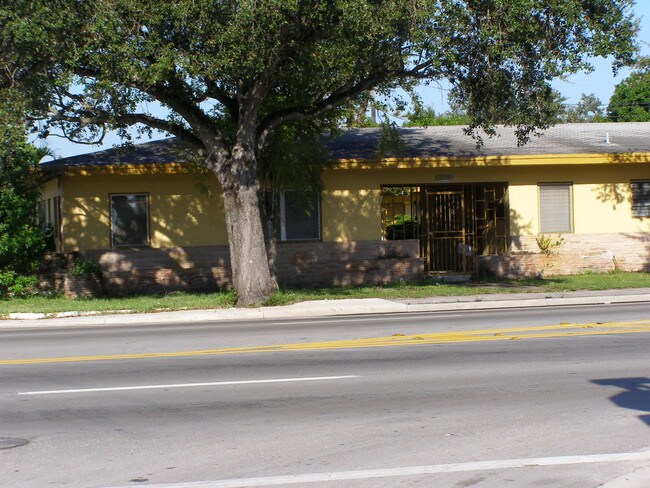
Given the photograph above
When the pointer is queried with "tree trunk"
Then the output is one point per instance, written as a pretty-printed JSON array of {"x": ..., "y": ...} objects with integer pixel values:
[
  {"x": 248, "y": 260},
  {"x": 269, "y": 218}
]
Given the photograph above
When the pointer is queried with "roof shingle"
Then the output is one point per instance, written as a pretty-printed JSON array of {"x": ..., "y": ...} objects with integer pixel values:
[{"x": 418, "y": 142}]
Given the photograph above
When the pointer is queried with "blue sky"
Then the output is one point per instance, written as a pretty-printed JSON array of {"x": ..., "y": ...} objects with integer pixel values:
[{"x": 601, "y": 82}]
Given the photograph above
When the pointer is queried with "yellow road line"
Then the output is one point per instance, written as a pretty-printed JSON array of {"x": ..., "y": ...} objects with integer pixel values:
[{"x": 488, "y": 335}]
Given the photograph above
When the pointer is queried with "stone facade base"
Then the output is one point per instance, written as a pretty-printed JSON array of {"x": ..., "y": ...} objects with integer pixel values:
[
  {"x": 574, "y": 254},
  {"x": 348, "y": 263},
  {"x": 299, "y": 264},
  {"x": 56, "y": 276}
]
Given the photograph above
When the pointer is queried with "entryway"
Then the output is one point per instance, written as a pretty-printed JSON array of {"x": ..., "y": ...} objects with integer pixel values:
[{"x": 453, "y": 222}]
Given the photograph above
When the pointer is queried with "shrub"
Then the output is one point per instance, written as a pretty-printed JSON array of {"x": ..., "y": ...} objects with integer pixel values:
[
  {"x": 22, "y": 241},
  {"x": 82, "y": 267},
  {"x": 403, "y": 227},
  {"x": 15, "y": 285}
]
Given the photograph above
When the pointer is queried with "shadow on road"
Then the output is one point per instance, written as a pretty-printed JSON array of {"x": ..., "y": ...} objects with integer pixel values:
[{"x": 635, "y": 394}]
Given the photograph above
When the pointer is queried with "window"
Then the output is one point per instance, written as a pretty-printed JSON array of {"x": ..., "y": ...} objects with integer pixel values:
[
  {"x": 56, "y": 221},
  {"x": 555, "y": 212},
  {"x": 129, "y": 220},
  {"x": 400, "y": 212},
  {"x": 640, "y": 198},
  {"x": 42, "y": 214},
  {"x": 299, "y": 220},
  {"x": 49, "y": 211},
  {"x": 49, "y": 216}
]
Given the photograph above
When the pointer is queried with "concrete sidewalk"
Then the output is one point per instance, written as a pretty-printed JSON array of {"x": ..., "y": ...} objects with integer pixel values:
[{"x": 329, "y": 308}]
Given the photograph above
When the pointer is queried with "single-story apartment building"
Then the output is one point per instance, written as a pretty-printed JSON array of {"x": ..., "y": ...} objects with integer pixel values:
[{"x": 576, "y": 198}]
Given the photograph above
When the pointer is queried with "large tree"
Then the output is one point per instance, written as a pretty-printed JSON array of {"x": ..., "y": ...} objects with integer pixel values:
[{"x": 230, "y": 73}]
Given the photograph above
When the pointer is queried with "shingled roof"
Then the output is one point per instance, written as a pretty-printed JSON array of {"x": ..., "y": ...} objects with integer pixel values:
[
  {"x": 155, "y": 152},
  {"x": 451, "y": 141},
  {"x": 418, "y": 142}
]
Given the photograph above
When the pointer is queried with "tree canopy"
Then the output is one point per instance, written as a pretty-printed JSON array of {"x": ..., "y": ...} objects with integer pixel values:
[
  {"x": 228, "y": 74},
  {"x": 631, "y": 99},
  {"x": 427, "y": 116},
  {"x": 588, "y": 109}
]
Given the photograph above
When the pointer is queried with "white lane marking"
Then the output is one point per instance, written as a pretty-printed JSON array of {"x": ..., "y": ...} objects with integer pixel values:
[
  {"x": 186, "y": 385},
  {"x": 409, "y": 471}
]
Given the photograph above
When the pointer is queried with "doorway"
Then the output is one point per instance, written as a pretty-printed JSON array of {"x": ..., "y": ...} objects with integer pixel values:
[{"x": 454, "y": 223}]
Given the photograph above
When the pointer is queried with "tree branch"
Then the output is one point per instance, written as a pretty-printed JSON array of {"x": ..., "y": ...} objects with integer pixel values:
[
  {"x": 177, "y": 95},
  {"x": 100, "y": 118},
  {"x": 274, "y": 120},
  {"x": 222, "y": 96}
]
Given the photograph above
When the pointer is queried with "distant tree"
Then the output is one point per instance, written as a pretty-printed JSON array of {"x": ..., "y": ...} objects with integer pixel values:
[
  {"x": 426, "y": 117},
  {"x": 22, "y": 240},
  {"x": 588, "y": 109},
  {"x": 230, "y": 73},
  {"x": 631, "y": 99}
]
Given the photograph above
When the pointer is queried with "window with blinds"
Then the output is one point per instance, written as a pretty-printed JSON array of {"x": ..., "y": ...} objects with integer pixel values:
[
  {"x": 555, "y": 211},
  {"x": 640, "y": 198}
]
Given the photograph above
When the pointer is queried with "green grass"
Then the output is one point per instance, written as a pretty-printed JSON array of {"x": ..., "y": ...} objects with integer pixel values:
[
  {"x": 135, "y": 304},
  {"x": 195, "y": 301}
]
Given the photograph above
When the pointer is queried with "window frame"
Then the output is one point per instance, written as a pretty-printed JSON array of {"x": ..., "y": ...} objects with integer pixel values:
[
  {"x": 570, "y": 219},
  {"x": 644, "y": 205},
  {"x": 147, "y": 220}
]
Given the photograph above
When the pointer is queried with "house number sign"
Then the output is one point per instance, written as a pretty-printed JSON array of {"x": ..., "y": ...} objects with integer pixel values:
[{"x": 444, "y": 177}]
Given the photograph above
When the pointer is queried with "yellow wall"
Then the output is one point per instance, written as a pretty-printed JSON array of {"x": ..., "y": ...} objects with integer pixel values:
[
  {"x": 601, "y": 197},
  {"x": 179, "y": 214},
  {"x": 51, "y": 189}
]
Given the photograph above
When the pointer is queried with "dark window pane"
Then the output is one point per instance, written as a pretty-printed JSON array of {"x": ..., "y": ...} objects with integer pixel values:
[
  {"x": 301, "y": 220},
  {"x": 56, "y": 222},
  {"x": 129, "y": 220},
  {"x": 641, "y": 198},
  {"x": 42, "y": 215}
]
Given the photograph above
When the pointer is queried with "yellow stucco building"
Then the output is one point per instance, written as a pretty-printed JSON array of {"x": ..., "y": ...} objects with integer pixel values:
[{"x": 575, "y": 198}]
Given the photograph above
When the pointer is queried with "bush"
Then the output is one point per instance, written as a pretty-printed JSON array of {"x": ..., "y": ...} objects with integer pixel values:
[
  {"x": 13, "y": 285},
  {"x": 83, "y": 267},
  {"x": 22, "y": 241},
  {"x": 403, "y": 227}
]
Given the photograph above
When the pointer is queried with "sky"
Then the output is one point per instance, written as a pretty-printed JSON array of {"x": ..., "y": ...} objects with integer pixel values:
[{"x": 600, "y": 82}]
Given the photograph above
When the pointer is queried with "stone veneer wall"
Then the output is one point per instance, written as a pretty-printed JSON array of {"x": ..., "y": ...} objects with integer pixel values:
[
  {"x": 348, "y": 263},
  {"x": 578, "y": 253},
  {"x": 55, "y": 275},
  {"x": 305, "y": 264}
]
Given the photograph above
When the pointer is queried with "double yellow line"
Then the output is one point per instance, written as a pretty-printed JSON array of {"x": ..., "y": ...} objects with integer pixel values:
[{"x": 488, "y": 335}]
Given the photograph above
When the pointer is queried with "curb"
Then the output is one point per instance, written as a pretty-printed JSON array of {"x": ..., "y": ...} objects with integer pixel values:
[{"x": 309, "y": 309}]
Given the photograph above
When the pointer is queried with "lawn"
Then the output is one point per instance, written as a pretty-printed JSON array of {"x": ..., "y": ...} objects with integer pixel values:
[{"x": 198, "y": 301}]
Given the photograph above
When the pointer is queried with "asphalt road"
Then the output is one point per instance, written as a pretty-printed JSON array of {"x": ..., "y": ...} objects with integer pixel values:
[{"x": 447, "y": 407}]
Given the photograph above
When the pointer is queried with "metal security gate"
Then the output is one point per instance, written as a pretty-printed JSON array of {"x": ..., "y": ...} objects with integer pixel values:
[
  {"x": 454, "y": 223},
  {"x": 446, "y": 232}
]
